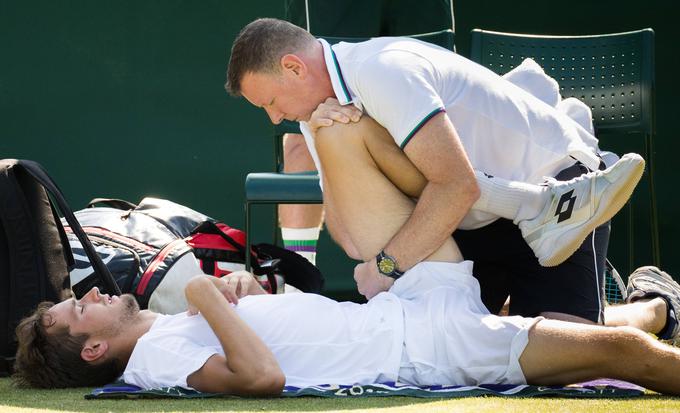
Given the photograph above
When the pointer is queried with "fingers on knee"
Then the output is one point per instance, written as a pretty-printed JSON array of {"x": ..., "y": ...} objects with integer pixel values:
[{"x": 364, "y": 126}]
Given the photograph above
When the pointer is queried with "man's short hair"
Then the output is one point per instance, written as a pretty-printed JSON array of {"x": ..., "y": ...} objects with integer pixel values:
[
  {"x": 259, "y": 48},
  {"x": 52, "y": 359}
]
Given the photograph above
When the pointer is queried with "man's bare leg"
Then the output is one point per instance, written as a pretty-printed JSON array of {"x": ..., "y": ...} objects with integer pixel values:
[
  {"x": 364, "y": 209},
  {"x": 371, "y": 209},
  {"x": 560, "y": 353}
]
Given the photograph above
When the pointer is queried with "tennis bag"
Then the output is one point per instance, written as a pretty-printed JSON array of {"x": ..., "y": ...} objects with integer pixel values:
[
  {"x": 35, "y": 257},
  {"x": 154, "y": 248}
]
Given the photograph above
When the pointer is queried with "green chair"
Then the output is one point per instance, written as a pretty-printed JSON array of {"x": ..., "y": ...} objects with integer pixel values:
[
  {"x": 614, "y": 75},
  {"x": 302, "y": 188}
]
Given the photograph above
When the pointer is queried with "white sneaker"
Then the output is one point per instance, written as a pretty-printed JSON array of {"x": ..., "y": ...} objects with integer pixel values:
[{"x": 578, "y": 206}]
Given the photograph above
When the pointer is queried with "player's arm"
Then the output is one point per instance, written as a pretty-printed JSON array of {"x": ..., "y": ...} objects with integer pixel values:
[{"x": 248, "y": 367}]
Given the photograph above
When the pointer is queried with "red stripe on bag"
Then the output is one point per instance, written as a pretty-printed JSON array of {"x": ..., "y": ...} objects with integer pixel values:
[{"x": 153, "y": 266}]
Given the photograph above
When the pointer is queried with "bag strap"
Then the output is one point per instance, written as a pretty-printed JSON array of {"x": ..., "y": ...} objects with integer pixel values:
[
  {"x": 209, "y": 227},
  {"x": 66, "y": 246},
  {"x": 113, "y": 203},
  {"x": 40, "y": 175}
]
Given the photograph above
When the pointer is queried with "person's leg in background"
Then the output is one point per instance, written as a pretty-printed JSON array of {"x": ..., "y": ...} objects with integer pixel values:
[{"x": 300, "y": 224}]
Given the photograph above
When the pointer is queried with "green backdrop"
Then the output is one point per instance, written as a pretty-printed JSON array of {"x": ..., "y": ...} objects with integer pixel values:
[{"x": 125, "y": 98}]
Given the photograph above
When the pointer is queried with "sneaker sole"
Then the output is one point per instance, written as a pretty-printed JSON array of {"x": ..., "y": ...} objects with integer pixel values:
[
  {"x": 618, "y": 200},
  {"x": 650, "y": 268}
]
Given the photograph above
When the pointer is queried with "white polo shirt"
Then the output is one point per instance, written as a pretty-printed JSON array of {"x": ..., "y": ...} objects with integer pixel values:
[{"x": 506, "y": 131}]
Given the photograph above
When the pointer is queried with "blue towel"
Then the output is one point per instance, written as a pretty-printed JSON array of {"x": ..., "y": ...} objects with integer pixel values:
[{"x": 595, "y": 389}]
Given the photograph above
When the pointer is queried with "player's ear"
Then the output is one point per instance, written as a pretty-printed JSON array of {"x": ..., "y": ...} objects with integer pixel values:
[
  {"x": 293, "y": 64},
  {"x": 94, "y": 350}
]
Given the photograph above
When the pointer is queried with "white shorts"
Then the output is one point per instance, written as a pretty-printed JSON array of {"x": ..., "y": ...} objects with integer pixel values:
[{"x": 449, "y": 336}]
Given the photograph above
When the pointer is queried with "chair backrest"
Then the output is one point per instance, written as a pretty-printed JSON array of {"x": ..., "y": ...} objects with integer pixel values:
[
  {"x": 611, "y": 73},
  {"x": 443, "y": 38}
]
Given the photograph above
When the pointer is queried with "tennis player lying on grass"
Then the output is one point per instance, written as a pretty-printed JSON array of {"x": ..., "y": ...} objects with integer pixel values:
[
  {"x": 429, "y": 328},
  {"x": 437, "y": 332}
]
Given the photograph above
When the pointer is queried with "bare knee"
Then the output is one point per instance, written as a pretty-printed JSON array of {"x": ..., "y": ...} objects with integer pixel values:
[
  {"x": 619, "y": 340},
  {"x": 346, "y": 133},
  {"x": 627, "y": 343}
]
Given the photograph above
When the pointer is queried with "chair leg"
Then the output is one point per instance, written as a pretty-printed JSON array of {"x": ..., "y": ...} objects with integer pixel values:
[
  {"x": 656, "y": 248},
  {"x": 275, "y": 236},
  {"x": 248, "y": 241}
]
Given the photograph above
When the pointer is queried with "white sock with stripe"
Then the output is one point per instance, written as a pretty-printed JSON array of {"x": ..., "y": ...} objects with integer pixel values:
[
  {"x": 301, "y": 240},
  {"x": 513, "y": 200}
]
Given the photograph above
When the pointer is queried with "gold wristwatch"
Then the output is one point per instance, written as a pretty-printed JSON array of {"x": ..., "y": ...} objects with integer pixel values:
[{"x": 387, "y": 265}]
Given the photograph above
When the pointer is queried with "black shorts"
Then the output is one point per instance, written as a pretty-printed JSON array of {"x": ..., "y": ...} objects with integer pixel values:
[{"x": 505, "y": 266}]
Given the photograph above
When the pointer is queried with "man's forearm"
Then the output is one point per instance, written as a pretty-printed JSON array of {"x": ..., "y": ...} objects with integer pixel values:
[
  {"x": 450, "y": 191},
  {"x": 427, "y": 232},
  {"x": 247, "y": 357}
]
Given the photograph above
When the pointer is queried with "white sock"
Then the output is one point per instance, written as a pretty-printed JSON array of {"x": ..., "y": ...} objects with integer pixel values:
[
  {"x": 513, "y": 200},
  {"x": 301, "y": 240}
]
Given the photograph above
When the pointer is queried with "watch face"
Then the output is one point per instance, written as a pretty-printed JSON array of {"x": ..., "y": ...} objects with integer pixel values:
[{"x": 386, "y": 265}]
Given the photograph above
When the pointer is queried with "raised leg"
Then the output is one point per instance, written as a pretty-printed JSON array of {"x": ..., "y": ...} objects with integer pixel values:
[{"x": 364, "y": 208}]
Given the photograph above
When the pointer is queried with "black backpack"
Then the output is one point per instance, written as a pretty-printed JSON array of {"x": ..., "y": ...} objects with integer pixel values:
[{"x": 35, "y": 257}]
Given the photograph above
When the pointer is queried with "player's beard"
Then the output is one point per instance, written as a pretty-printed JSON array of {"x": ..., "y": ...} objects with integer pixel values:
[
  {"x": 129, "y": 311},
  {"x": 131, "y": 308}
]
